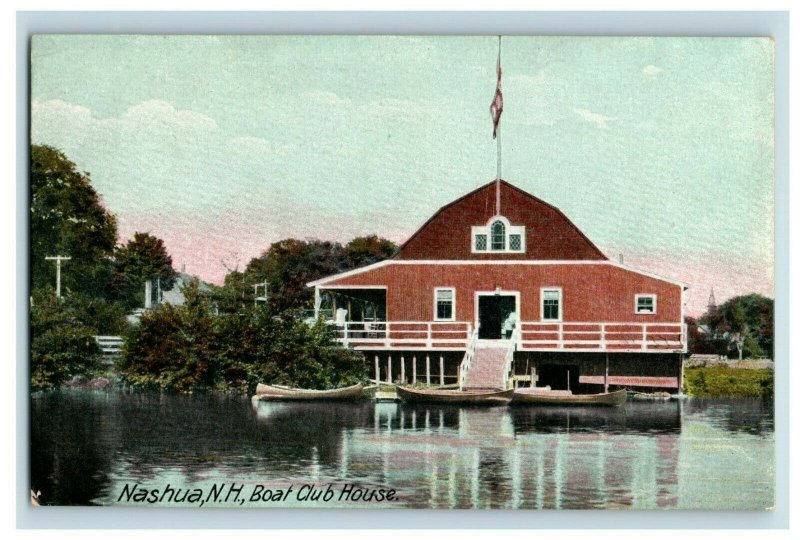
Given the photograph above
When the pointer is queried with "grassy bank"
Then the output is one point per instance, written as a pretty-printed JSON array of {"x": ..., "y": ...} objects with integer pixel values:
[{"x": 722, "y": 381}]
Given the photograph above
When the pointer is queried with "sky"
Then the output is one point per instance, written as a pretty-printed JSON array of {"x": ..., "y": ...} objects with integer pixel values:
[{"x": 659, "y": 149}]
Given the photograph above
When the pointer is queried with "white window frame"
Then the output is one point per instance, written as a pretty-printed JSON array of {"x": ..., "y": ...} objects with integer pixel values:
[
  {"x": 487, "y": 230},
  {"x": 436, "y": 303},
  {"x": 560, "y": 303},
  {"x": 647, "y": 295}
]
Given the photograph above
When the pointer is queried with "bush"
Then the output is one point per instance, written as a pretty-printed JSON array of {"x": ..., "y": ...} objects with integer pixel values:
[
  {"x": 186, "y": 348},
  {"x": 722, "y": 381}
]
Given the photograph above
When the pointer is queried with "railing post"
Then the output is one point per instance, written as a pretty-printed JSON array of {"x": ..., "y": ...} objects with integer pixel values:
[
  {"x": 561, "y": 335},
  {"x": 430, "y": 335},
  {"x": 414, "y": 369},
  {"x": 345, "y": 341},
  {"x": 402, "y": 368},
  {"x": 644, "y": 337},
  {"x": 603, "y": 336},
  {"x": 389, "y": 371},
  {"x": 441, "y": 370}
]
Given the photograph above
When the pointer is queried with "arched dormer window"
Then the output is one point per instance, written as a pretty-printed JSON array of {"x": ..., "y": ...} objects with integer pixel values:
[{"x": 498, "y": 236}]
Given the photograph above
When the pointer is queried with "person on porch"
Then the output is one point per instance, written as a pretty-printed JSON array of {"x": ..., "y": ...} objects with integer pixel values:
[{"x": 509, "y": 324}]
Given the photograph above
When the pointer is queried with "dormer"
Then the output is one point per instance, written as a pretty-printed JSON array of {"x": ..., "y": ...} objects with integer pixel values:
[{"x": 498, "y": 235}]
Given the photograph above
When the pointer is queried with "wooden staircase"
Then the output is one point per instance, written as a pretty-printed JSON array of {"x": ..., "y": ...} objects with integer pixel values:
[{"x": 487, "y": 369}]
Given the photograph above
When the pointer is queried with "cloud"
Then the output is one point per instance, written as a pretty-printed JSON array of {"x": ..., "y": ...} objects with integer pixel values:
[
  {"x": 598, "y": 119},
  {"x": 651, "y": 70}
]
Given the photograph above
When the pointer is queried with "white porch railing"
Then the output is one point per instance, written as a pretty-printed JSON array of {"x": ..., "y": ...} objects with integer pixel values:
[
  {"x": 443, "y": 335},
  {"x": 512, "y": 347},
  {"x": 602, "y": 336},
  {"x": 466, "y": 363},
  {"x": 527, "y": 336}
]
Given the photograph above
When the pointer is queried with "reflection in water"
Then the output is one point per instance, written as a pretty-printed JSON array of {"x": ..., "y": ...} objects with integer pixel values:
[{"x": 86, "y": 447}]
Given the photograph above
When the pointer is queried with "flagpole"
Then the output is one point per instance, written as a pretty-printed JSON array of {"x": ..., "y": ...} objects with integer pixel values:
[{"x": 499, "y": 48}]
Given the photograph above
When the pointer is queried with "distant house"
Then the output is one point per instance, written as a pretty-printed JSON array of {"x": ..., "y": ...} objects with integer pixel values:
[
  {"x": 173, "y": 297},
  {"x": 500, "y": 287}
]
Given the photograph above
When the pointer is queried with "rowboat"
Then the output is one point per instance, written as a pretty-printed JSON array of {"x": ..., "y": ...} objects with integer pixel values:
[
  {"x": 266, "y": 392},
  {"x": 532, "y": 396},
  {"x": 456, "y": 397}
]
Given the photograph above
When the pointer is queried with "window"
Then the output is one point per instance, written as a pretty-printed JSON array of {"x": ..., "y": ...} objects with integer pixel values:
[
  {"x": 645, "y": 304},
  {"x": 445, "y": 304},
  {"x": 551, "y": 304},
  {"x": 498, "y": 236}
]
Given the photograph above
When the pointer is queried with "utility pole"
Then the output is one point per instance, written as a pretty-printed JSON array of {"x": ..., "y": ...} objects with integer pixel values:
[{"x": 58, "y": 259}]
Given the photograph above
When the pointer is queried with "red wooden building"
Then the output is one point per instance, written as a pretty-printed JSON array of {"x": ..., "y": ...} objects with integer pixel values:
[{"x": 501, "y": 288}]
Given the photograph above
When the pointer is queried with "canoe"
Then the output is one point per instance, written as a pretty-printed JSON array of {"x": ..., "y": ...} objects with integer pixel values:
[
  {"x": 456, "y": 397},
  {"x": 528, "y": 396},
  {"x": 266, "y": 392}
]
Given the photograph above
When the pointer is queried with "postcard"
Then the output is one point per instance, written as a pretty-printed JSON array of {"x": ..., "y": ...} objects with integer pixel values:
[{"x": 489, "y": 272}]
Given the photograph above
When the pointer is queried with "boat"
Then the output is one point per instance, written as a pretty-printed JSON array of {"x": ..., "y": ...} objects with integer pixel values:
[
  {"x": 456, "y": 397},
  {"x": 266, "y": 392},
  {"x": 534, "y": 396}
]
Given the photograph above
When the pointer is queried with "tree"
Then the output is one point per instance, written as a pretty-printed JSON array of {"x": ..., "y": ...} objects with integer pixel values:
[
  {"x": 366, "y": 250},
  {"x": 67, "y": 218},
  {"x": 288, "y": 265},
  {"x": 143, "y": 258},
  {"x": 61, "y": 344},
  {"x": 746, "y": 323}
]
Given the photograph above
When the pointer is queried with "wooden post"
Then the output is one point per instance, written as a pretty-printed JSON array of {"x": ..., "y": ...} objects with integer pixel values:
[
  {"x": 605, "y": 380},
  {"x": 428, "y": 369},
  {"x": 402, "y": 368},
  {"x": 377, "y": 370},
  {"x": 389, "y": 371},
  {"x": 414, "y": 369},
  {"x": 441, "y": 370}
]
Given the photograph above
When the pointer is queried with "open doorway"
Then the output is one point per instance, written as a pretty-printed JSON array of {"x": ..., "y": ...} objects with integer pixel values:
[
  {"x": 558, "y": 376},
  {"x": 496, "y": 315}
]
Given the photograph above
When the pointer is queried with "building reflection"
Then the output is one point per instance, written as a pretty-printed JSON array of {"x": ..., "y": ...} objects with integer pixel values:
[{"x": 522, "y": 457}]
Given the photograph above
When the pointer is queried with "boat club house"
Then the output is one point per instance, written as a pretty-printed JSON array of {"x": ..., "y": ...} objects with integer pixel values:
[{"x": 500, "y": 289}]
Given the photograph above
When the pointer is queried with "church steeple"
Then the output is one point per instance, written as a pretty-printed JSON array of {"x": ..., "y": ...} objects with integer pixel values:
[{"x": 712, "y": 302}]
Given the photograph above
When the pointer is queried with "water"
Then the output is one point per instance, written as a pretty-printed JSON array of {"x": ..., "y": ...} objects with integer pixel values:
[{"x": 699, "y": 454}]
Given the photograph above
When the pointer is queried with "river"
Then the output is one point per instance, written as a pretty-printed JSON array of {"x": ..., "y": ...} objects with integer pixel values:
[{"x": 102, "y": 448}]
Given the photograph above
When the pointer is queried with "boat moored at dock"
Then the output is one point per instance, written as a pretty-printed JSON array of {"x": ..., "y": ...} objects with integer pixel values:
[
  {"x": 456, "y": 397},
  {"x": 266, "y": 392},
  {"x": 534, "y": 396}
]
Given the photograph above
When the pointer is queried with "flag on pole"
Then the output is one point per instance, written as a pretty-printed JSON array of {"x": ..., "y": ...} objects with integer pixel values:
[{"x": 496, "y": 108}]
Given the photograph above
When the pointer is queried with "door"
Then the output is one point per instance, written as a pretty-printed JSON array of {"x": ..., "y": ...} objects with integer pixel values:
[{"x": 493, "y": 314}]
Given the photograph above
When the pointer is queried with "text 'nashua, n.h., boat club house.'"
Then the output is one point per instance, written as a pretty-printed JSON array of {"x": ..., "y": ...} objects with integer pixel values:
[{"x": 500, "y": 289}]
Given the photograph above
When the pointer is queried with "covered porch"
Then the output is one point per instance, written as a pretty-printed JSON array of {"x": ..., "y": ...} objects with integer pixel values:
[{"x": 361, "y": 320}]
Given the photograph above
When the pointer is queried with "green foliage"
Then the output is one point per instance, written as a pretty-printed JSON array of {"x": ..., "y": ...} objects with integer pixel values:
[
  {"x": 289, "y": 264},
  {"x": 143, "y": 258},
  {"x": 722, "y": 381},
  {"x": 743, "y": 321},
  {"x": 366, "y": 250},
  {"x": 62, "y": 345},
  {"x": 185, "y": 348},
  {"x": 68, "y": 218},
  {"x": 171, "y": 347}
]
